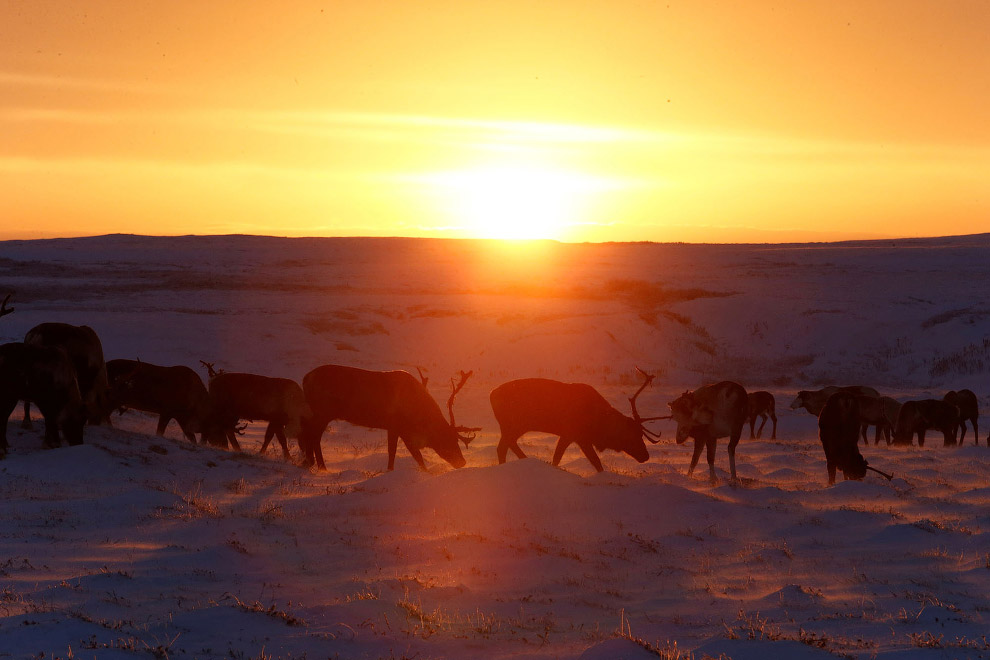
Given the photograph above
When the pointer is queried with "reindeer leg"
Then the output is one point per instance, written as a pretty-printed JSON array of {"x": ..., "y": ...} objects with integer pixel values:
[
  {"x": 189, "y": 435},
  {"x": 976, "y": 431},
  {"x": 7, "y": 407},
  {"x": 314, "y": 450},
  {"x": 416, "y": 454},
  {"x": 921, "y": 437},
  {"x": 592, "y": 455},
  {"x": 962, "y": 435},
  {"x": 163, "y": 421},
  {"x": 763, "y": 422},
  {"x": 280, "y": 434},
  {"x": 269, "y": 432},
  {"x": 26, "y": 422},
  {"x": 752, "y": 423},
  {"x": 831, "y": 472},
  {"x": 506, "y": 442},
  {"x": 698, "y": 446},
  {"x": 393, "y": 446},
  {"x": 232, "y": 439},
  {"x": 774, "y": 418},
  {"x": 562, "y": 444},
  {"x": 52, "y": 439},
  {"x": 733, "y": 441},
  {"x": 710, "y": 445}
]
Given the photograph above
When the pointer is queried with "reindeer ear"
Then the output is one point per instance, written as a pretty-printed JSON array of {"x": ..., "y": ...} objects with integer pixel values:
[{"x": 702, "y": 415}]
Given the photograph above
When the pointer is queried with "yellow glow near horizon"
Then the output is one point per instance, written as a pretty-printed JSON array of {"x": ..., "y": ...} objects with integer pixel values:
[
  {"x": 517, "y": 202},
  {"x": 738, "y": 121}
]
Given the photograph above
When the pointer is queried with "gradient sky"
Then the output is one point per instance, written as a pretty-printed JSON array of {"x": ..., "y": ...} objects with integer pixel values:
[{"x": 577, "y": 120}]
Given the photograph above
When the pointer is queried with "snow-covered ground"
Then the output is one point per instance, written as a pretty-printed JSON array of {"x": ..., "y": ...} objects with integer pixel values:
[{"x": 136, "y": 546}]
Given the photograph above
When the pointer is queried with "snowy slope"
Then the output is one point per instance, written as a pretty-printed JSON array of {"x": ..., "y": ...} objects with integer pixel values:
[{"x": 135, "y": 546}]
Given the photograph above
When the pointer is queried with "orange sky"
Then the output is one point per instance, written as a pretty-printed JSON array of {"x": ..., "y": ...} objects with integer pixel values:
[{"x": 698, "y": 121}]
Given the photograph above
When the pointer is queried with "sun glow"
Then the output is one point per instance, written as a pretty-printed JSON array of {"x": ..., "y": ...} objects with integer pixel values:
[{"x": 518, "y": 202}]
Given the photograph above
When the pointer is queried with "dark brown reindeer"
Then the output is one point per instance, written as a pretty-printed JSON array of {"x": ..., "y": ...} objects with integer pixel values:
[
  {"x": 762, "y": 405},
  {"x": 707, "y": 414},
  {"x": 917, "y": 417},
  {"x": 391, "y": 400},
  {"x": 45, "y": 375},
  {"x": 172, "y": 392},
  {"x": 969, "y": 409},
  {"x": 237, "y": 396},
  {"x": 838, "y": 429},
  {"x": 85, "y": 350},
  {"x": 574, "y": 411}
]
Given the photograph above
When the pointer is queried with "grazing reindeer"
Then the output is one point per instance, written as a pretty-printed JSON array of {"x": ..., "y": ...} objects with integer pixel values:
[
  {"x": 707, "y": 414},
  {"x": 390, "y": 400},
  {"x": 45, "y": 375},
  {"x": 237, "y": 396},
  {"x": 574, "y": 411},
  {"x": 762, "y": 405},
  {"x": 880, "y": 412},
  {"x": 173, "y": 392},
  {"x": 916, "y": 417},
  {"x": 838, "y": 430},
  {"x": 969, "y": 409},
  {"x": 84, "y": 349}
]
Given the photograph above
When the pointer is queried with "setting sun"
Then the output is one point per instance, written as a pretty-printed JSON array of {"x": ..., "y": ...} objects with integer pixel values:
[{"x": 517, "y": 202}]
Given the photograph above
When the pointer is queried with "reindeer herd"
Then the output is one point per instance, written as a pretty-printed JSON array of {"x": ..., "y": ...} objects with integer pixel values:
[{"x": 60, "y": 368}]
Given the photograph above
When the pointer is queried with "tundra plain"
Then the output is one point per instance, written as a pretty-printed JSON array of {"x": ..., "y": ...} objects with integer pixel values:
[{"x": 135, "y": 546}]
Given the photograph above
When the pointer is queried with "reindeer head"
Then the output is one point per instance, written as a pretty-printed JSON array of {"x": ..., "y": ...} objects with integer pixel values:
[{"x": 689, "y": 413}]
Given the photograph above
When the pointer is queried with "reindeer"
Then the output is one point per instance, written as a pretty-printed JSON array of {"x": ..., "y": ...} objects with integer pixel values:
[
  {"x": 707, "y": 414},
  {"x": 237, "y": 396},
  {"x": 173, "y": 392},
  {"x": 880, "y": 412},
  {"x": 574, "y": 411},
  {"x": 814, "y": 400},
  {"x": 762, "y": 405},
  {"x": 85, "y": 351},
  {"x": 969, "y": 409},
  {"x": 391, "y": 400},
  {"x": 45, "y": 375},
  {"x": 917, "y": 417},
  {"x": 839, "y": 426}
]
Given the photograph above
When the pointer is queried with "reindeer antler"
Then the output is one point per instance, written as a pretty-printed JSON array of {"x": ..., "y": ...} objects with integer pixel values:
[
  {"x": 460, "y": 430},
  {"x": 211, "y": 372},
  {"x": 423, "y": 379},
  {"x": 647, "y": 433},
  {"x": 240, "y": 428},
  {"x": 4, "y": 310}
]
